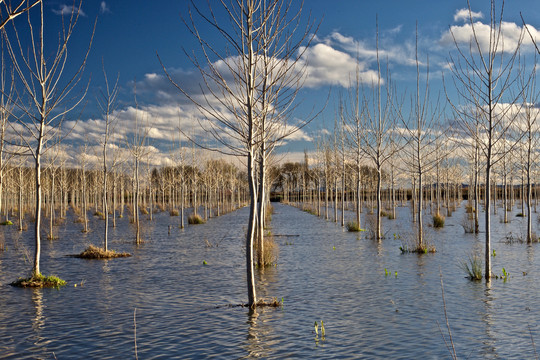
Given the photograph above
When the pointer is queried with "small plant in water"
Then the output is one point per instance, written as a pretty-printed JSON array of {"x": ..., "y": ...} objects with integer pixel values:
[
  {"x": 504, "y": 275},
  {"x": 473, "y": 268},
  {"x": 493, "y": 253},
  {"x": 204, "y": 262}
]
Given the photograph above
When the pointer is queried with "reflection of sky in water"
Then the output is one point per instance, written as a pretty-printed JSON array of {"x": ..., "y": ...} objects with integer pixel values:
[{"x": 181, "y": 303}]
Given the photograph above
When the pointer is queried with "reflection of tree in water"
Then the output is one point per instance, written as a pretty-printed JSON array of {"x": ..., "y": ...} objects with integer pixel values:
[
  {"x": 259, "y": 343},
  {"x": 38, "y": 325},
  {"x": 259, "y": 338},
  {"x": 487, "y": 318},
  {"x": 266, "y": 282}
]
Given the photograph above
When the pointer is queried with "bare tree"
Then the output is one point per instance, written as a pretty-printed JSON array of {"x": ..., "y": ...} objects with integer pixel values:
[
  {"x": 248, "y": 89},
  {"x": 528, "y": 124},
  {"x": 46, "y": 99},
  {"x": 483, "y": 74},
  {"x": 107, "y": 103},
  {"x": 380, "y": 113},
  {"x": 138, "y": 150},
  {"x": 423, "y": 134}
]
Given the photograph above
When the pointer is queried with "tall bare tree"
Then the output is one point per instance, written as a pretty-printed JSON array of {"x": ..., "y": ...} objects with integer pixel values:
[
  {"x": 423, "y": 133},
  {"x": 483, "y": 73},
  {"x": 248, "y": 89},
  {"x": 381, "y": 109},
  {"x": 107, "y": 103},
  {"x": 46, "y": 99}
]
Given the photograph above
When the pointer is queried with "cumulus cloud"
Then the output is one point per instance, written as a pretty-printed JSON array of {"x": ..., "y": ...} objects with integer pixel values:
[
  {"x": 325, "y": 65},
  {"x": 511, "y": 35},
  {"x": 68, "y": 10},
  {"x": 464, "y": 15}
]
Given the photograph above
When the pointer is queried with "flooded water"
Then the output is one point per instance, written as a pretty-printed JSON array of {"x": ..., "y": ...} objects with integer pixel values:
[{"x": 164, "y": 302}]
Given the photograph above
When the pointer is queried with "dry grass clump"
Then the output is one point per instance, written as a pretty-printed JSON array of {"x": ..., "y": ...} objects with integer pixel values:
[
  {"x": 143, "y": 211},
  {"x": 469, "y": 224},
  {"x": 268, "y": 213},
  {"x": 39, "y": 281},
  {"x": 438, "y": 221},
  {"x": 174, "y": 212},
  {"x": 94, "y": 252},
  {"x": 270, "y": 252},
  {"x": 99, "y": 214},
  {"x": 469, "y": 209},
  {"x": 195, "y": 219}
]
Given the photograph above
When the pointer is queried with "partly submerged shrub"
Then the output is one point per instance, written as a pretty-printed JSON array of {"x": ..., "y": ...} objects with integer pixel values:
[
  {"x": 143, "y": 211},
  {"x": 174, "y": 212},
  {"x": 473, "y": 267},
  {"x": 438, "y": 221},
  {"x": 7, "y": 222},
  {"x": 195, "y": 219}
]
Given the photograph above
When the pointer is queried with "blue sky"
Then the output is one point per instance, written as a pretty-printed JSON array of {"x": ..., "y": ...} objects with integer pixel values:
[{"x": 129, "y": 34}]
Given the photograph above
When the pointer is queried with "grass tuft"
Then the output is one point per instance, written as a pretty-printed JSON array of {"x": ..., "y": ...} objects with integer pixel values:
[
  {"x": 7, "y": 222},
  {"x": 438, "y": 221},
  {"x": 39, "y": 281},
  {"x": 270, "y": 252},
  {"x": 473, "y": 267},
  {"x": 174, "y": 212},
  {"x": 352, "y": 226},
  {"x": 469, "y": 209},
  {"x": 195, "y": 219},
  {"x": 94, "y": 252}
]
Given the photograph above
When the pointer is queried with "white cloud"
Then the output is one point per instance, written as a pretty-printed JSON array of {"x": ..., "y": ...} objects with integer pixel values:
[
  {"x": 324, "y": 65},
  {"x": 464, "y": 15},
  {"x": 511, "y": 35},
  {"x": 68, "y": 10},
  {"x": 397, "y": 52},
  {"x": 104, "y": 8}
]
